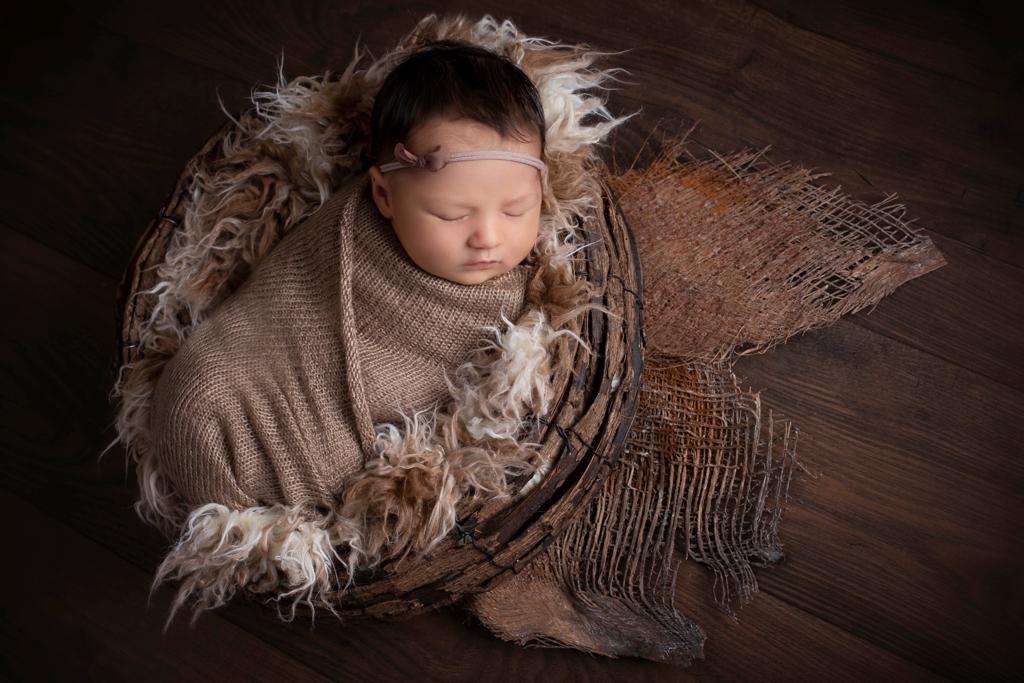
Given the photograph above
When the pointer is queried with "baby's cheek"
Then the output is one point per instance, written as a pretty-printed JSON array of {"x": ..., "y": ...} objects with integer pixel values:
[
  {"x": 437, "y": 247},
  {"x": 529, "y": 238}
]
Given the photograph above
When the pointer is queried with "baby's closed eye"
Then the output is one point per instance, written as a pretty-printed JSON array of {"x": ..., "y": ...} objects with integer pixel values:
[{"x": 460, "y": 218}]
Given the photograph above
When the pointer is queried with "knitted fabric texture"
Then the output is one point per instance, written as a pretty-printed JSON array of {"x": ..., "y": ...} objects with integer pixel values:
[{"x": 255, "y": 408}]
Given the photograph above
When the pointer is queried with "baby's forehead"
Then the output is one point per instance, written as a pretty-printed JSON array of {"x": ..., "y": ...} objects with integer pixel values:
[{"x": 469, "y": 187}]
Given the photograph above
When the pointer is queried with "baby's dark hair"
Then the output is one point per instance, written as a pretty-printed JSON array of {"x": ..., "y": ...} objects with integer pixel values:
[{"x": 452, "y": 79}]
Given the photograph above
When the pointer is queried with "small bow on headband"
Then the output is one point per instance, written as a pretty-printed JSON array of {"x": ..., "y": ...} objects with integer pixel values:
[{"x": 430, "y": 160}]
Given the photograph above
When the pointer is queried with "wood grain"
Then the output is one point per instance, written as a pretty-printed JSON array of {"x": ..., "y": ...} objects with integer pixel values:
[{"x": 92, "y": 615}]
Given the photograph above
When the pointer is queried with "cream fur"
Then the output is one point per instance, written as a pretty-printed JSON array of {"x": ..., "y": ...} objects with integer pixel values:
[{"x": 298, "y": 142}]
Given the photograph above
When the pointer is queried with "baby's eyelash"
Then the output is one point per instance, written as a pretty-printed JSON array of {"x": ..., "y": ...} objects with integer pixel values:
[{"x": 456, "y": 220}]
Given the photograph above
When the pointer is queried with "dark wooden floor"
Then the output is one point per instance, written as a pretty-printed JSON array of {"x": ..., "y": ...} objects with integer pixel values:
[{"x": 903, "y": 561}]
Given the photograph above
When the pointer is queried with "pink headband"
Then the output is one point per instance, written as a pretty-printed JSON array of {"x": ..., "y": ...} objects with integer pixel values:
[{"x": 435, "y": 161}]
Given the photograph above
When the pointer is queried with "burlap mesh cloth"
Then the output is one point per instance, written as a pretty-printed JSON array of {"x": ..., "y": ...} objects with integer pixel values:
[
  {"x": 738, "y": 255},
  {"x": 257, "y": 405}
]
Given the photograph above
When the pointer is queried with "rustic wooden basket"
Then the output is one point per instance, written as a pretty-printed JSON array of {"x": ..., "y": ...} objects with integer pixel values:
[{"x": 583, "y": 434}]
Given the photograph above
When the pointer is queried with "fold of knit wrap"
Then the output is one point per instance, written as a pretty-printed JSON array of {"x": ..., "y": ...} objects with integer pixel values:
[{"x": 257, "y": 405}]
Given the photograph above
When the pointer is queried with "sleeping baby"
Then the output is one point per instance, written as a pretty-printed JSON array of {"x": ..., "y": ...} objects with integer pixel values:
[{"x": 362, "y": 311}]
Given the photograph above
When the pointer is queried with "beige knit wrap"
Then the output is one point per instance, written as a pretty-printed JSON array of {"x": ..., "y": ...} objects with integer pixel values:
[{"x": 258, "y": 406}]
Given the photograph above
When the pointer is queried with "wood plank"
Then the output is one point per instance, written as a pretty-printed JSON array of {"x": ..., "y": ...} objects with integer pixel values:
[
  {"x": 57, "y": 348},
  {"x": 966, "y": 312},
  {"x": 918, "y": 504},
  {"x": 966, "y": 41},
  {"x": 772, "y": 639},
  {"x": 247, "y": 40},
  {"x": 73, "y": 610},
  {"x": 88, "y": 178}
]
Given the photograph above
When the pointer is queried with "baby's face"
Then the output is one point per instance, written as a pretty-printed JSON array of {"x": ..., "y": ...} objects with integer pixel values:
[{"x": 468, "y": 211}]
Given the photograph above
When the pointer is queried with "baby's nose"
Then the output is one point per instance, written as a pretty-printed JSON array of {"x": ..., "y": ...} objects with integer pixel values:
[{"x": 486, "y": 234}]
